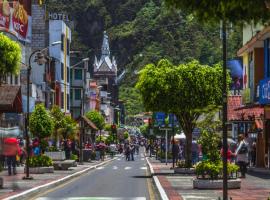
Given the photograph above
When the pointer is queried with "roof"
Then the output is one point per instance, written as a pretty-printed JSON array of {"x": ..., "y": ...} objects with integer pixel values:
[
  {"x": 10, "y": 98},
  {"x": 88, "y": 122}
]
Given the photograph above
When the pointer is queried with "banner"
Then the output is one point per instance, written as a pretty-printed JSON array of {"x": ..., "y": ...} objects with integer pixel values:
[{"x": 15, "y": 18}]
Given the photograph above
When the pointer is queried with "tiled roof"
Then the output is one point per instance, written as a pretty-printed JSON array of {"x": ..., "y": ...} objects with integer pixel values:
[{"x": 10, "y": 98}]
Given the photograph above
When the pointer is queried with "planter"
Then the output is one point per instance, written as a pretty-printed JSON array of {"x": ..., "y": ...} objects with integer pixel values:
[
  {"x": 179, "y": 170},
  {"x": 164, "y": 160},
  {"x": 216, "y": 184},
  {"x": 40, "y": 170},
  {"x": 1, "y": 182},
  {"x": 56, "y": 155}
]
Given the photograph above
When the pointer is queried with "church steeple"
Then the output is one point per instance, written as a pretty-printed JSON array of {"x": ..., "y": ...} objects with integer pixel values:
[{"x": 105, "y": 49}]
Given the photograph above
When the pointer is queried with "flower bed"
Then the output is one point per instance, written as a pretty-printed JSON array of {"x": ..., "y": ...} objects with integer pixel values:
[
  {"x": 40, "y": 164},
  {"x": 181, "y": 168},
  {"x": 216, "y": 184},
  {"x": 56, "y": 155}
]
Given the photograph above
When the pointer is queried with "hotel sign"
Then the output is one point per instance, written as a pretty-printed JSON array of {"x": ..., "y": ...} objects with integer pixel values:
[{"x": 58, "y": 16}]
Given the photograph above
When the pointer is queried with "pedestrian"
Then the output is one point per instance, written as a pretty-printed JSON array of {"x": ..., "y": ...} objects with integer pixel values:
[
  {"x": 127, "y": 151},
  {"x": 253, "y": 154},
  {"x": 230, "y": 154},
  {"x": 194, "y": 152},
  {"x": 132, "y": 151},
  {"x": 10, "y": 151},
  {"x": 242, "y": 155},
  {"x": 175, "y": 152}
]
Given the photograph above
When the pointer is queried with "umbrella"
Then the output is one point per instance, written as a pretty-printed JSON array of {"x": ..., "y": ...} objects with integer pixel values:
[
  {"x": 231, "y": 141},
  {"x": 235, "y": 68},
  {"x": 180, "y": 136},
  {"x": 10, "y": 141}
]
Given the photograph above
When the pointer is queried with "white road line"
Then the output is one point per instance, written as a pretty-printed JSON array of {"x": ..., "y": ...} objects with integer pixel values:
[
  {"x": 187, "y": 197},
  {"x": 143, "y": 168},
  {"x": 127, "y": 168},
  {"x": 100, "y": 167},
  {"x": 115, "y": 167},
  {"x": 142, "y": 158}
]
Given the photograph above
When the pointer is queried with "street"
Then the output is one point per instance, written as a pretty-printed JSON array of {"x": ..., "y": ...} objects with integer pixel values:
[{"x": 119, "y": 179}]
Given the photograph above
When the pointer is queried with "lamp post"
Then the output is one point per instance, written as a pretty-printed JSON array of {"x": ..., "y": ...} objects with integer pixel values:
[
  {"x": 85, "y": 61},
  {"x": 40, "y": 60}
]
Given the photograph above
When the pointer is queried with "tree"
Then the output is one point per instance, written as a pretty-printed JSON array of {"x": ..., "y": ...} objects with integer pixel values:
[
  {"x": 183, "y": 90},
  {"x": 59, "y": 120},
  {"x": 69, "y": 129},
  {"x": 230, "y": 10},
  {"x": 126, "y": 135},
  {"x": 96, "y": 118},
  {"x": 41, "y": 123},
  {"x": 10, "y": 56}
]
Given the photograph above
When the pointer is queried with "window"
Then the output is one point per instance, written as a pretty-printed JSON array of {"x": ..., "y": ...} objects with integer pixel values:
[
  {"x": 68, "y": 74},
  {"x": 62, "y": 71},
  {"x": 68, "y": 101},
  {"x": 78, "y": 94},
  {"x": 71, "y": 75},
  {"x": 62, "y": 100},
  {"x": 78, "y": 74},
  {"x": 16, "y": 80},
  {"x": 68, "y": 47},
  {"x": 71, "y": 95},
  {"x": 62, "y": 42}
]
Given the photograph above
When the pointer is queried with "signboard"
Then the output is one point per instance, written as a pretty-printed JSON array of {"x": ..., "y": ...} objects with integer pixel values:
[
  {"x": 15, "y": 18},
  {"x": 159, "y": 119},
  {"x": 58, "y": 16},
  {"x": 196, "y": 132},
  {"x": 264, "y": 94},
  {"x": 173, "y": 121}
]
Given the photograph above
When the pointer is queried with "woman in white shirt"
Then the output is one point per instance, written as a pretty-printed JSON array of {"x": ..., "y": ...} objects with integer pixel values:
[{"x": 242, "y": 155}]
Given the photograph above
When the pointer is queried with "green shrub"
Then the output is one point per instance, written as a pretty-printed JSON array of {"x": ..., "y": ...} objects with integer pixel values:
[
  {"x": 40, "y": 161},
  {"x": 182, "y": 164},
  {"x": 52, "y": 148},
  {"x": 213, "y": 170},
  {"x": 73, "y": 157}
]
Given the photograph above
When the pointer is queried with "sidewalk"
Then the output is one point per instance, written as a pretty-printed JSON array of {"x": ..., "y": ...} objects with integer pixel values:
[
  {"x": 14, "y": 185},
  {"x": 179, "y": 187}
]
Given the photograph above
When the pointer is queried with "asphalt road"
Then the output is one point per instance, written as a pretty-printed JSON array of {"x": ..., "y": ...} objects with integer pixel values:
[{"x": 118, "y": 180}]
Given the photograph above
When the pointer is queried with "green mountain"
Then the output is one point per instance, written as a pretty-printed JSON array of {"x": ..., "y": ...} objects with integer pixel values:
[{"x": 140, "y": 32}]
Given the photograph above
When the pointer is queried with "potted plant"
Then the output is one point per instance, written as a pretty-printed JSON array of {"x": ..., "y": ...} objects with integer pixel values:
[
  {"x": 40, "y": 164},
  {"x": 209, "y": 172}
]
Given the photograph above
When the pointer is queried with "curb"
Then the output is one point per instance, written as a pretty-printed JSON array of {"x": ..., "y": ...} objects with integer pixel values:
[
  {"x": 161, "y": 191},
  {"x": 34, "y": 191}
]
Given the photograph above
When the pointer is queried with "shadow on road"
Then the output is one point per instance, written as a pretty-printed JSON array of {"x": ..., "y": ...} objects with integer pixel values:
[{"x": 145, "y": 176}]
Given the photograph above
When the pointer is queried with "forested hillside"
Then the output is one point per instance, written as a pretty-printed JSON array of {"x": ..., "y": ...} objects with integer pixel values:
[{"x": 143, "y": 31}]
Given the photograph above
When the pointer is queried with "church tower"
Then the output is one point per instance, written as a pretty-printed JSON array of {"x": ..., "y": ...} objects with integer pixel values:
[{"x": 105, "y": 72}]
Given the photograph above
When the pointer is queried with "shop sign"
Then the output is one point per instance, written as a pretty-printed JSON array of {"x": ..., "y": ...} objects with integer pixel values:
[
  {"x": 58, "y": 16},
  {"x": 264, "y": 95},
  {"x": 15, "y": 18}
]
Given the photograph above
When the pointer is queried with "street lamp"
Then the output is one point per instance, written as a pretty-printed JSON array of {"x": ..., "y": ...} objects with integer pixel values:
[
  {"x": 85, "y": 61},
  {"x": 40, "y": 60}
]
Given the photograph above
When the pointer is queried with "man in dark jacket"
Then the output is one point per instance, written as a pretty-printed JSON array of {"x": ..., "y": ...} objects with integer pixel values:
[{"x": 175, "y": 153}]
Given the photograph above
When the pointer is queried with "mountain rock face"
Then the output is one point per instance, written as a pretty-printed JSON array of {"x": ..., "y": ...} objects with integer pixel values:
[{"x": 143, "y": 31}]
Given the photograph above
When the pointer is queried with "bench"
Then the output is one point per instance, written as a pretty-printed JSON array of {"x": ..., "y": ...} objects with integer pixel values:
[{"x": 64, "y": 165}]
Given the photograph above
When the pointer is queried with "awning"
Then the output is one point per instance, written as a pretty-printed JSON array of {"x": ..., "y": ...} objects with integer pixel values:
[
  {"x": 10, "y": 98},
  {"x": 88, "y": 122}
]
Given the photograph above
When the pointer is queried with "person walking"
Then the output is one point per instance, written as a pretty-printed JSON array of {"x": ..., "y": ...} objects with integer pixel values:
[
  {"x": 175, "y": 152},
  {"x": 242, "y": 155},
  {"x": 127, "y": 151},
  {"x": 11, "y": 150},
  {"x": 132, "y": 151}
]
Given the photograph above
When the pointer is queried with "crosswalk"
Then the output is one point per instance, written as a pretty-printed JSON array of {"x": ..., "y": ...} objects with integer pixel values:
[{"x": 121, "y": 168}]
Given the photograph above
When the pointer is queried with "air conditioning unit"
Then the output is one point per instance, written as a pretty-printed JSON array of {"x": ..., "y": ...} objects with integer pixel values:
[{"x": 43, "y": 86}]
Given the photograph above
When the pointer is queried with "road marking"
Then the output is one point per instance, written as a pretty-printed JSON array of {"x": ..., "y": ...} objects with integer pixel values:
[
  {"x": 100, "y": 167},
  {"x": 143, "y": 168},
  {"x": 187, "y": 197},
  {"x": 127, "y": 168},
  {"x": 115, "y": 167},
  {"x": 142, "y": 158}
]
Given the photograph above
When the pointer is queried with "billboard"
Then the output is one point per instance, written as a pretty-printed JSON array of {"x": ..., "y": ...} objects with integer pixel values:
[
  {"x": 15, "y": 18},
  {"x": 264, "y": 94}
]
